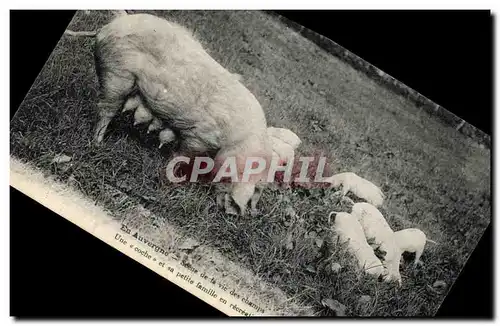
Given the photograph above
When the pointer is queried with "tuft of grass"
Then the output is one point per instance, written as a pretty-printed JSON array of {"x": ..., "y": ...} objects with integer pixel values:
[{"x": 434, "y": 178}]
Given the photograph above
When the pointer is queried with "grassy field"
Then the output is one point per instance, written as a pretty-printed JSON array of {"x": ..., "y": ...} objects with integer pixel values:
[{"x": 434, "y": 178}]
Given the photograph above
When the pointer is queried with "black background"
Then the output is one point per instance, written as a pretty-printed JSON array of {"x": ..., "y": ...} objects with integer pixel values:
[{"x": 55, "y": 266}]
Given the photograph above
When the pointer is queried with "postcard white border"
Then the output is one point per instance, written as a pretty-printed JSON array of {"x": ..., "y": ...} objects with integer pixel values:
[{"x": 257, "y": 4}]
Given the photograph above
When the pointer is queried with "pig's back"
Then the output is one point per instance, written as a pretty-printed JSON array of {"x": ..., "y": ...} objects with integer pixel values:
[{"x": 347, "y": 227}]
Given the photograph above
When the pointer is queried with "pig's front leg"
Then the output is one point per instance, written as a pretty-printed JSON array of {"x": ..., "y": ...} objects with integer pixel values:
[{"x": 255, "y": 199}]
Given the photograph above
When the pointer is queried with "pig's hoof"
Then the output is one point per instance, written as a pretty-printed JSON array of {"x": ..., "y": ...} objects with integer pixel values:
[
  {"x": 96, "y": 143},
  {"x": 254, "y": 212}
]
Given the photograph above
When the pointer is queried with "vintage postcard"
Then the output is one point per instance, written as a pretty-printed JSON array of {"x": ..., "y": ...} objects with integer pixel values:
[{"x": 254, "y": 163}]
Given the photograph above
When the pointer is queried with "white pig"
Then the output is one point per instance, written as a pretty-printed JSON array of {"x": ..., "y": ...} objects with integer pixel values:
[{"x": 206, "y": 105}]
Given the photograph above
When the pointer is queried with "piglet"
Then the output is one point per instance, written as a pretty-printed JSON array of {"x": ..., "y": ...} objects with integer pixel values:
[
  {"x": 376, "y": 227},
  {"x": 412, "y": 240}
]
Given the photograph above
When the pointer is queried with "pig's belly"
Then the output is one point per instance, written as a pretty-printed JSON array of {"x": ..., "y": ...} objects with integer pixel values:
[{"x": 198, "y": 131}]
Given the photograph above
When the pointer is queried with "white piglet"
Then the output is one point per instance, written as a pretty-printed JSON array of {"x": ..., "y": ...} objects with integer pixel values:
[
  {"x": 132, "y": 103},
  {"x": 281, "y": 150},
  {"x": 376, "y": 227},
  {"x": 285, "y": 135},
  {"x": 284, "y": 142},
  {"x": 360, "y": 187},
  {"x": 413, "y": 241},
  {"x": 348, "y": 229}
]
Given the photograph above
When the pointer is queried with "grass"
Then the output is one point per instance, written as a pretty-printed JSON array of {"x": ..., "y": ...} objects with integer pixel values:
[{"x": 434, "y": 178}]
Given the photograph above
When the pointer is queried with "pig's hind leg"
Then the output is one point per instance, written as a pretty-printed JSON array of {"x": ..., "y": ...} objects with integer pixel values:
[{"x": 114, "y": 90}]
